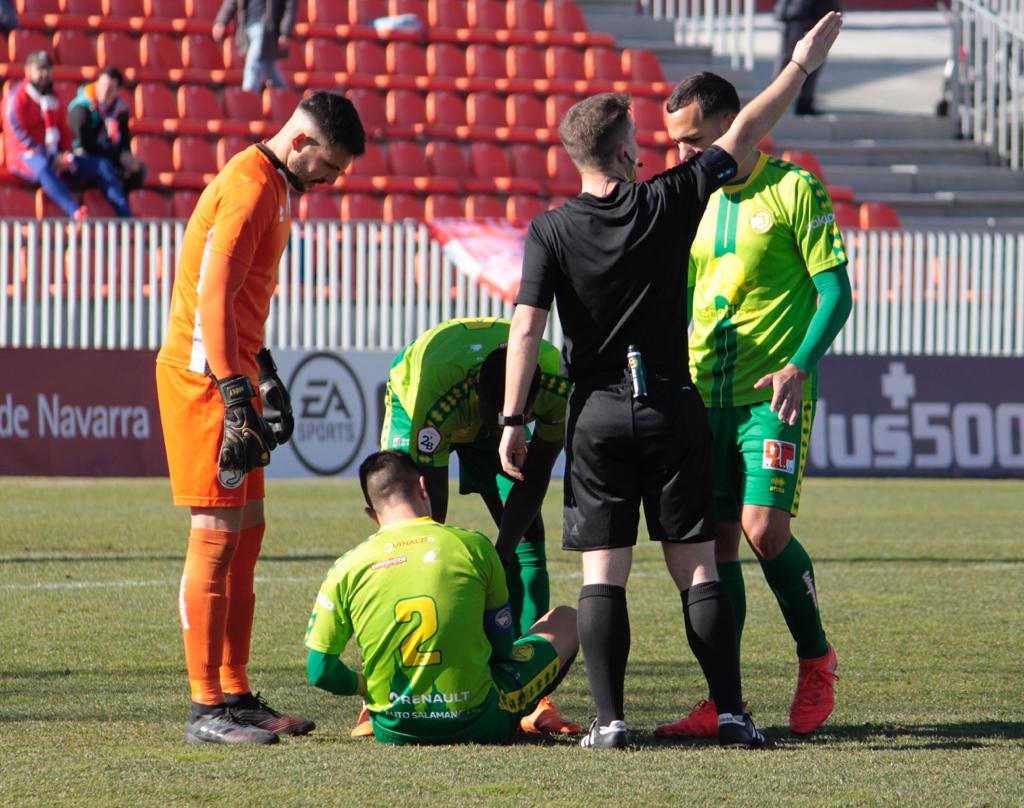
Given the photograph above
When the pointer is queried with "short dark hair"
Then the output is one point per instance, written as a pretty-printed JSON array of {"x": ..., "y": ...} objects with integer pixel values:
[
  {"x": 114, "y": 74},
  {"x": 490, "y": 384},
  {"x": 713, "y": 94},
  {"x": 337, "y": 119},
  {"x": 593, "y": 128},
  {"x": 388, "y": 475}
]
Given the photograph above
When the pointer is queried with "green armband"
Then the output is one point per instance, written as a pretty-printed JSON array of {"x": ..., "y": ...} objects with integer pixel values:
[{"x": 331, "y": 674}]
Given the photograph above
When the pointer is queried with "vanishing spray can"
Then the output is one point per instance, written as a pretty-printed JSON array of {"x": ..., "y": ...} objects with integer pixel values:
[{"x": 637, "y": 377}]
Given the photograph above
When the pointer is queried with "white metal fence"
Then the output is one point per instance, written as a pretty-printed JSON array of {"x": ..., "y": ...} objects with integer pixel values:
[
  {"x": 988, "y": 79},
  {"x": 374, "y": 285},
  {"x": 727, "y": 26}
]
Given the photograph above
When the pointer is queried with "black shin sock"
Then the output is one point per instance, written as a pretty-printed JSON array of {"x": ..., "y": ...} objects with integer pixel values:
[
  {"x": 711, "y": 632},
  {"x": 603, "y": 622}
]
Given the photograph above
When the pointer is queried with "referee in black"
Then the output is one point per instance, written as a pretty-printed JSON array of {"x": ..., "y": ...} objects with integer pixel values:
[{"x": 614, "y": 258}]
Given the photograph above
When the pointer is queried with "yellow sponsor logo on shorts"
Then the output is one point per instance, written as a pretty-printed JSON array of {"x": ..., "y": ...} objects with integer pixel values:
[{"x": 523, "y": 653}]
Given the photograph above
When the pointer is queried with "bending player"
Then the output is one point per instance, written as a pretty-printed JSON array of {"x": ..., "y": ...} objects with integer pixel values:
[
  {"x": 767, "y": 248},
  {"x": 428, "y": 606},
  {"x": 208, "y": 373},
  {"x": 444, "y": 394}
]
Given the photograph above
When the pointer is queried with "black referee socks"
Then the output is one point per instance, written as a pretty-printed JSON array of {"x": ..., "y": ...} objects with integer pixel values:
[
  {"x": 603, "y": 624},
  {"x": 711, "y": 632}
]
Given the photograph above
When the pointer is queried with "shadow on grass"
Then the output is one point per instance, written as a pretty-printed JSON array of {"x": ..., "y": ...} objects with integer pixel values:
[{"x": 122, "y": 557}]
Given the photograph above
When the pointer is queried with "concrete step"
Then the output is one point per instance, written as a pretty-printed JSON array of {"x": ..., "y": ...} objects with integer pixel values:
[
  {"x": 691, "y": 57},
  {"x": 1002, "y": 224},
  {"x": 871, "y": 152},
  {"x": 625, "y": 25},
  {"x": 926, "y": 178},
  {"x": 859, "y": 127},
  {"x": 952, "y": 205}
]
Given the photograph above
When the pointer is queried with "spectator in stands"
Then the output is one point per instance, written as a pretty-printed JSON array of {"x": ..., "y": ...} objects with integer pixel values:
[
  {"x": 264, "y": 30},
  {"x": 8, "y": 17},
  {"x": 98, "y": 118},
  {"x": 36, "y": 142},
  {"x": 797, "y": 18}
]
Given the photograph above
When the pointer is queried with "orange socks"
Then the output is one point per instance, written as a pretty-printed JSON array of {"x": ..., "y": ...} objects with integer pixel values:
[
  {"x": 203, "y": 604},
  {"x": 241, "y": 605}
]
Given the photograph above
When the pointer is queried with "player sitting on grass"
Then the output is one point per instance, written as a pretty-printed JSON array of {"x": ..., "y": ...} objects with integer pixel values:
[{"x": 428, "y": 606}]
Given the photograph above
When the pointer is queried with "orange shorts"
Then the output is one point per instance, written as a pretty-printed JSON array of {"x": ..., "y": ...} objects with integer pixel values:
[{"x": 192, "y": 416}]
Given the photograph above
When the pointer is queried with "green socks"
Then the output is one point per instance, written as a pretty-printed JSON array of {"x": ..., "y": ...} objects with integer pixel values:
[
  {"x": 529, "y": 591},
  {"x": 791, "y": 578},
  {"x": 730, "y": 573}
]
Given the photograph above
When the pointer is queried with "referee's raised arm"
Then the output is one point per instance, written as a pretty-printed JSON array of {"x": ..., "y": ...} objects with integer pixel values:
[{"x": 758, "y": 117}]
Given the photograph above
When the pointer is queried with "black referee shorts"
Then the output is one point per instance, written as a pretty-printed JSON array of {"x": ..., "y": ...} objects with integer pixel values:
[{"x": 621, "y": 453}]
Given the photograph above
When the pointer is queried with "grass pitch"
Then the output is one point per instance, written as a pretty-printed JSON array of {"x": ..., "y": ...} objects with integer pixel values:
[{"x": 922, "y": 587}]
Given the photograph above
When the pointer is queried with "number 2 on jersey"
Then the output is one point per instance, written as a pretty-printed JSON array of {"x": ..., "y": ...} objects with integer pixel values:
[{"x": 411, "y": 648}]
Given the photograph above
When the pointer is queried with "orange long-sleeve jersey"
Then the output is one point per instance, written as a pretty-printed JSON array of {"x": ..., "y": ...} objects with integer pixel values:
[{"x": 227, "y": 270}]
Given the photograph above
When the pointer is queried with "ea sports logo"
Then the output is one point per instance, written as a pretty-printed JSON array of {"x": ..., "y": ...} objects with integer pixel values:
[{"x": 330, "y": 413}]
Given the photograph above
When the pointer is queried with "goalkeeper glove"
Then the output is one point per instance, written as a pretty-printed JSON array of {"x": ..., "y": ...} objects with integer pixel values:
[
  {"x": 247, "y": 438},
  {"x": 277, "y": 404}
]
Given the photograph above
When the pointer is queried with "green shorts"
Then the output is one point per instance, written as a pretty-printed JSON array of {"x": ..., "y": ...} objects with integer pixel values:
[
  {"x": 759, "y": 460},
  {"x": 519, "y": 683}
]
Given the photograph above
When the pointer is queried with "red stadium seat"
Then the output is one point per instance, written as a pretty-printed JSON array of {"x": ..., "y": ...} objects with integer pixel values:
[
  {"x": 200, "y": 52},
  {"x": 406, "y": 59},
  {"x": 279, "y": 103},
  {"x": 124, "y": 8},
  {"x": 331, "y": 12},
  {"x": 17, "y": 202},
  {"x": 364, "y": 12},
  {"x": 447, "y": 14},
  {"x": 525, "y": 15},
  {"x": 521, "y": 208},
  {"x": 647, "y": 114},
  {"x": 148, "y": 204},
  {"x": 525, "y": 110},
  {"x": 361, "y": 207},
  {"x": 81, "y": 7},
  {"x": 652, "y": 161},
  {"x": 878, "y": 215},
  {"x": 118, "y": 50},
  {"x": 320, "y": 205},
  {"x": 166, "y": 9},
  {"x": 371, "y": 107},
  {"x": 447, "y": 159},
  {"x": 805, "y": 159},
  {"x": 155, "y": 152},
  {"x": 325, "y": 56},
  {"x": 564, "y": 63},
  {"x": 23, "y": 41},
  {"x": 446, "y": 109},
  {"x": 74, "y": 48},
  {"x": 485, "y": 206},
  {"x": 406, "y": 108},
  {"x": 195, "y": 101},
  {"x": 602, "y": 64},
  {"x": 195, "y": 155},
  {"x": 155, "y": 101},
  {"x": 489, "y": 160},
  {"x": 564, "y": 16},
  {"x": 561, "y": 169},
  {"x": 407, "y": 159},
  {"x": 403, "y": 206},
  {"x": 445, "y": 60},
  {"x": 160, "y": 51},
  {"x": 240, "y": 105},
  {"x": 366, "y": 58},
  {"x": 372, "y": 163},
  {"x": 39, "y": 6},
  {"x": 228, "y": 147},
  {"x": 525, "y": 62},
  {"x": 639, "y": 64},
  {"x": 204, "y": 9},
  {"x": 46, "y": 208},
  {"x": 529, "y": 161},
  {"x": 417, "y": 8},
  {"x": 555, "y": 108},
  {"x": 444, "y": 206},
  {"x": 485, "y": 109},
  {"x": 485, "y": 61},
  {"x": 183, "y": 203},
  {"x": 488, "y": 15},
  {"x": 847, "y": 215},
  {"x": 295, "y": 60}
]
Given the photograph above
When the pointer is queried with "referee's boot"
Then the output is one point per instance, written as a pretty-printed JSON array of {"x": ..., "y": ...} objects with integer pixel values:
[
  {"x": 739, "y": 730},
  {"x": 254, "y": 711},
  {"x": 613, "y": 736},
  {"x": 218, "y": 725}
]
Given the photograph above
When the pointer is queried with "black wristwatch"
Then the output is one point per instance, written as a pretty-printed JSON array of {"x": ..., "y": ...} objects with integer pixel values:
[{"x": 511, "y": 420}]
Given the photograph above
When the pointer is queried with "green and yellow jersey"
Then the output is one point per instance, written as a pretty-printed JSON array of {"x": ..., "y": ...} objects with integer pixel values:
[
  {"x": 414, "y": 596},
  {"x": 758, "y": 245},
  {"x": 434, "y": 382}
]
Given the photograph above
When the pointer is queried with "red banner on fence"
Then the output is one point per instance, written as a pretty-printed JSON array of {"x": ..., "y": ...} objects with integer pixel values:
[
  {"x": 490, "y": 252},
  {"x": 80, "y": 413}
]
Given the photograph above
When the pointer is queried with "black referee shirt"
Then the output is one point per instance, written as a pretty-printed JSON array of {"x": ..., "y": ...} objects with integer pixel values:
[{"x": 618, "y": 267}]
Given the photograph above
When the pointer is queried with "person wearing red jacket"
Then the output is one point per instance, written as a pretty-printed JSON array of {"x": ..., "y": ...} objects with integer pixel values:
[{"x": 36, "y": 142}]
